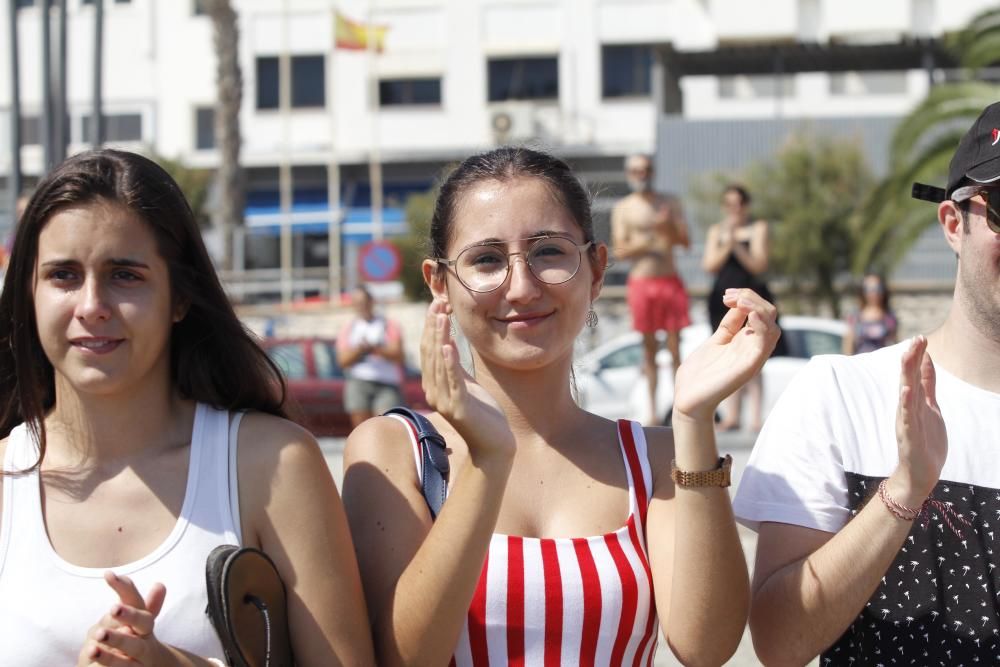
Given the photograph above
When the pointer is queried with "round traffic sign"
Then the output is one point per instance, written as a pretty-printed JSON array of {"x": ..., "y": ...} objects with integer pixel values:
[{"x": 379, "y": 261}]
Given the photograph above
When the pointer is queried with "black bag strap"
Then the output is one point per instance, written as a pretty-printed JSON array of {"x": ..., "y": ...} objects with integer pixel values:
[{"x": 434, "y": 467}]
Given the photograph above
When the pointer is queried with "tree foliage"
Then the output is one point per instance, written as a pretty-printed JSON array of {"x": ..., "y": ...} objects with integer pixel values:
[
  {"x": 811, "y": 192},
  {"x": 414, "y": 246},
  {"x": 194, "y": 183},
  {"x": 923, "y": 144}
]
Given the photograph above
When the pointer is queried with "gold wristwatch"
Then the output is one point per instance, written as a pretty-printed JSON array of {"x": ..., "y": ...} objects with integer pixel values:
[{"x": 720, "y": 476}]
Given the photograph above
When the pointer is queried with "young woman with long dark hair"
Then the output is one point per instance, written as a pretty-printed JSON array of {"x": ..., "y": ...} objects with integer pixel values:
[{"x": 142, "y": 427}]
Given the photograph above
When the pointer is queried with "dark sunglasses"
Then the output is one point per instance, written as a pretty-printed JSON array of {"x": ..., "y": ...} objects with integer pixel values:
[{"x": 990, "y": 195}]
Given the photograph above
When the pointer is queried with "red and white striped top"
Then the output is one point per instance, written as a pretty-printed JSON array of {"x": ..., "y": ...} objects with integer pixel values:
[{"x": 568, "y": 601}]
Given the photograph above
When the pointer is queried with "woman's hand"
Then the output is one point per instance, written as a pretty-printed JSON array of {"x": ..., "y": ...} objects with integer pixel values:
[
  {"x": 733, "y": 355},
  {"x": 454, "y": 394},
  {"x": 124, "y": 636},
  {"x": 920, "y": 429}
]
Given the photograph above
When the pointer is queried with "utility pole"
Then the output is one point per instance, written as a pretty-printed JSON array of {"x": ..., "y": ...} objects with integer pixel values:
[
  {"x": 97, "y": 112},
  {"x": 48, "y": 150},
  {"x": 60, "y": 129},
  {"x": 14, "y": 178}
]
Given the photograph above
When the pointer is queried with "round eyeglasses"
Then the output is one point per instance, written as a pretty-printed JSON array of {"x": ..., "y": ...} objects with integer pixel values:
[{"x": 484, "y": 267}]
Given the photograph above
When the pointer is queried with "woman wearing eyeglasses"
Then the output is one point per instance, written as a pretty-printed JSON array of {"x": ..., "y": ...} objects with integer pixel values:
[
  {"x": 565, "y": 535},
  {"x": 873, "y": 326}
]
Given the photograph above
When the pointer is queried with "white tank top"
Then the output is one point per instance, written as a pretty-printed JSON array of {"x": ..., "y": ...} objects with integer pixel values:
[{"x": 47, "y": 605}]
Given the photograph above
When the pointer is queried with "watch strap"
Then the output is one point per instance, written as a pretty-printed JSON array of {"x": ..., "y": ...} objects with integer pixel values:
[{"x": 719, "y": 476}]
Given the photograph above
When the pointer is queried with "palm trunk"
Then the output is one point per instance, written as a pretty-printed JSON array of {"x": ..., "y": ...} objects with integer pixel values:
[{"x": 229, "y": 91}]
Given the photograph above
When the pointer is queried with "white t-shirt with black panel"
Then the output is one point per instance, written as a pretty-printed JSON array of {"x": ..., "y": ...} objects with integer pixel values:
[{"x": 824, "y": 449}]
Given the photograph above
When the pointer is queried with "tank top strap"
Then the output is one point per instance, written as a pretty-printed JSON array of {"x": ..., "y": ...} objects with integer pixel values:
[
  {"x": 22, "y": 498},
  {"x": 414, "y": 446},
  {"x": 632, "y": 440},
  {"x": 213, "y": 454}
]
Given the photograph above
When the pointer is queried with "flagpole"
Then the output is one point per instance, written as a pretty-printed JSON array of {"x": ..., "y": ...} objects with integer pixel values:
[
  {"x": 333, "y": 177},
  {"x": 285, "y": 168},
  {"x": 14, "y": 177},
  {"x": 374, "y": 160}
]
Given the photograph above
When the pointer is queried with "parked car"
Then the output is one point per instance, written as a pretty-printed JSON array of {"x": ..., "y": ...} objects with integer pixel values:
[
  {"x": 610, "y": 381},
  {"x": 316, "y": 383}
]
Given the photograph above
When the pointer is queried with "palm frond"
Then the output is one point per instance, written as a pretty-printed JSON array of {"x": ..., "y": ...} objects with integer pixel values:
[
  {"x": 957, "y": 103},
  {"x": 964, "y": 42}
]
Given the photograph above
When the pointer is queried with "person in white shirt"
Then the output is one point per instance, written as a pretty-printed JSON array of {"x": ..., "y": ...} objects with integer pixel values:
[
  {"x": 874, "y": 484},
  {"x": 370, "y": 350}
]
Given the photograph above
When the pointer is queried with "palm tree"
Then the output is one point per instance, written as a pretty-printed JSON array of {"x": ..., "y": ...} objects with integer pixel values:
[
  {"x": 229, "y": 96},
  {"x": 923, "y": 144}
]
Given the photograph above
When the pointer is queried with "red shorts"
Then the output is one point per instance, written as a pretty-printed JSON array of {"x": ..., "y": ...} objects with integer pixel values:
[{"x": 658, "y": 303}]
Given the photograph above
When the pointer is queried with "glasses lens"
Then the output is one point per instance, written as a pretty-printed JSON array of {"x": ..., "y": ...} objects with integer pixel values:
[
  {"x": 992, "y": 197},
  {"x": 482, "y": 268},
  {"x": 554, "y": 260}
]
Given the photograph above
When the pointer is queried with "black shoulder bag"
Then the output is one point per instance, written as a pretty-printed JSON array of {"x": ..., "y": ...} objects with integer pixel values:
[
  {"x": 246, "y": 604},
  {"x": 434, "y": 468}
]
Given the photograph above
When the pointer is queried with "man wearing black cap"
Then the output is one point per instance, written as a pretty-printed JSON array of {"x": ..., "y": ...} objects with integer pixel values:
[{"x": 875, "y": 483}]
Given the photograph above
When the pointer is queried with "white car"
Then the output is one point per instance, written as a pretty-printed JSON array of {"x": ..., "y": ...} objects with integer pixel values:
[{"x": 610, "y": 381}]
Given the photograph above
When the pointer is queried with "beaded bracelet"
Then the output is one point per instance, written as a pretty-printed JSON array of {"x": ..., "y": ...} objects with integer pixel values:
[{"x": 901, "y": 511}]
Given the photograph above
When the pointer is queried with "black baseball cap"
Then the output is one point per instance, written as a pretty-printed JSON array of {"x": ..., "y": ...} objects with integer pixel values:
[{"x": 976, "y": 159}]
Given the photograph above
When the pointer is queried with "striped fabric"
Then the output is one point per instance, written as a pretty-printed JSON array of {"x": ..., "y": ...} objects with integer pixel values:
[{"x": 568, "y": 601}]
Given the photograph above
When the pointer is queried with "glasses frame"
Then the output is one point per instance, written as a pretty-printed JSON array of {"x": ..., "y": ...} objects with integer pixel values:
[
  {"x": 535, "y": 240},
  {"x": 967, "y": 192}
]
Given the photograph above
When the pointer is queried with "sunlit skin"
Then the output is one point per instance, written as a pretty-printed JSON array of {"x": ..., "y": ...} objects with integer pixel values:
[
  {"x": 522, "y": 324},
  {"x": 979, "y": 269},
  {"x": 103, "y": 303},
  {"x": 809, "y": 584},
  {"x": 526, "y": 460}
]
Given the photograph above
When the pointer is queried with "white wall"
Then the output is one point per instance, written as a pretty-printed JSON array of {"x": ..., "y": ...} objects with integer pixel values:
[{"x": 159, "y": 62}]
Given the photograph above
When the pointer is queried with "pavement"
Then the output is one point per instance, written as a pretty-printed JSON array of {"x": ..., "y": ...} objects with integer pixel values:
[{"x": 738, "y": 444}]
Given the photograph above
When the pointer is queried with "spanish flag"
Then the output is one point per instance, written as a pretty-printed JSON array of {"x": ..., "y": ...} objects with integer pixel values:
[{"x": 350, "y": 34}]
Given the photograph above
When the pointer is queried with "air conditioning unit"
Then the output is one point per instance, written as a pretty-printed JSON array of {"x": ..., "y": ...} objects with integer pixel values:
[{"x": 512, "y": 122}]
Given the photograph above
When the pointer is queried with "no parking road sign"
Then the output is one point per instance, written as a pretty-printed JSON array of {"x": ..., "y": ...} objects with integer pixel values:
[{"x": 379, "y": 261}]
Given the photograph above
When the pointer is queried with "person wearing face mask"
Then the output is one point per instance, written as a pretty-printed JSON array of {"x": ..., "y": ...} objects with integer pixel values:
[{"x": 645, "y": 228}]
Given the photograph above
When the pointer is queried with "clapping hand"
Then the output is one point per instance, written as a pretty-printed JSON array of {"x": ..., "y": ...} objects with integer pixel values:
[
  {"x": 920, "y": 429},
  {"x": 124, "y": 636},
  {"x": 733, "y": 355},
  {"x": 454, "y": 394}
]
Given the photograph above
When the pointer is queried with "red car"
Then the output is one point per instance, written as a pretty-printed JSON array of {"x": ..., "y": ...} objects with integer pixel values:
[{"x": 316, "y": 382}]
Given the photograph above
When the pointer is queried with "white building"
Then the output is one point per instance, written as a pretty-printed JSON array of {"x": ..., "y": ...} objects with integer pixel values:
[{"x": 587, "y": 79}]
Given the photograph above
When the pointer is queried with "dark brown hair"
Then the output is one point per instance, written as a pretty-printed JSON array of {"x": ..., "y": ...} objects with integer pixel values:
[
  {"x": 743, "y": 193},
  {"x": 213, "y": 358},
  {"x": 505, "y": 164}
]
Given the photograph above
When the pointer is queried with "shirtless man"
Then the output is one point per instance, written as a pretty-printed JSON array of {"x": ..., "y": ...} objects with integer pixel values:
[{"x": 645, "y": 227}]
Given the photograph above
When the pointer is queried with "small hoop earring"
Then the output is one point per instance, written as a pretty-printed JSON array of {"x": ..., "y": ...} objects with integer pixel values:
[{"x": 591, "y": 317}]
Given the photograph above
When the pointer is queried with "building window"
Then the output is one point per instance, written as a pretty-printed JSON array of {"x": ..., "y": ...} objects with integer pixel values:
[
  {"x": 198, "y": 8},
  {"x": 308, "y": 82},
  {"x": 267, "y": 82},
  {"x": 868, "y": 83},
  {"x": 523, "y": 78},
  {"x": 25, "y": 3},
  {"x": 409, "y": 91},
  {"x": 31, "y": 130},
  {"x": 756, "y": 86},
  {"x": 117, "y": 127},
  {"x": 204, "y": 128},
  {"x": 626, "y": 71}
]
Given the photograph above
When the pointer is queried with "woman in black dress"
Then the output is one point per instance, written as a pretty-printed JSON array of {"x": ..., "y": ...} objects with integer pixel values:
[{"x": 736, "y": 251}]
